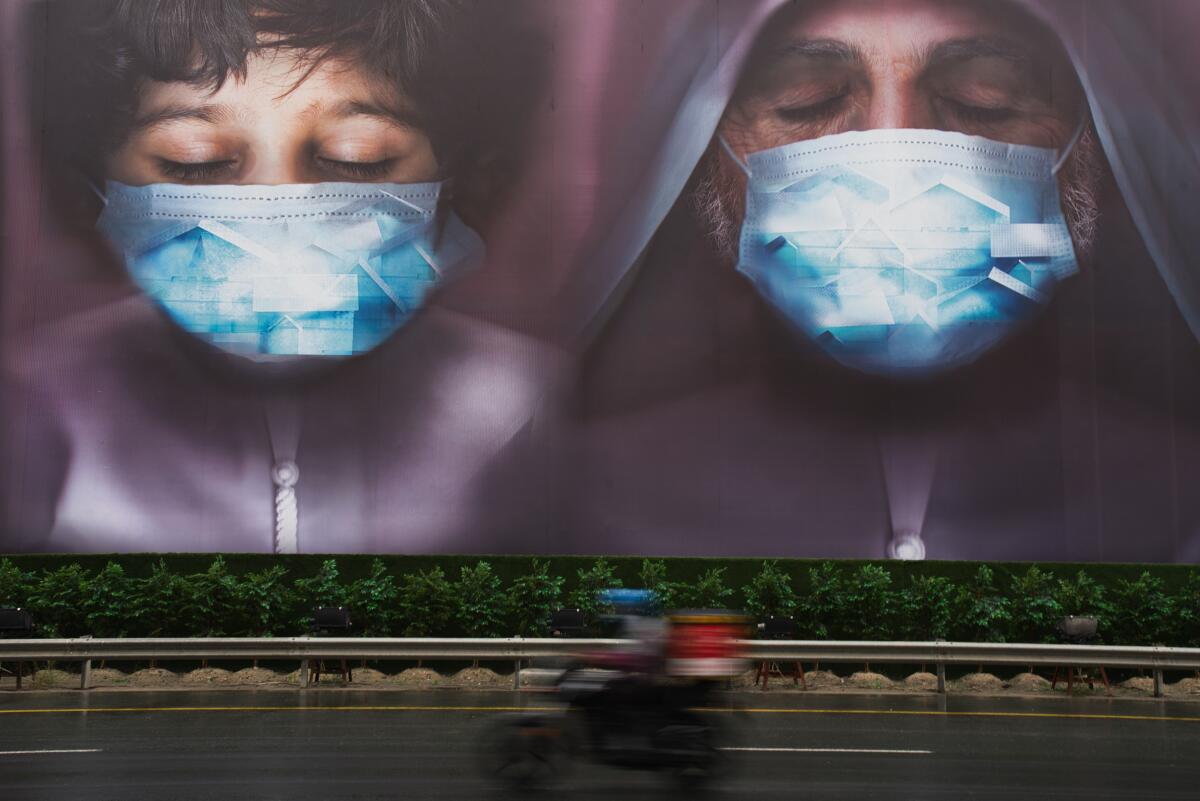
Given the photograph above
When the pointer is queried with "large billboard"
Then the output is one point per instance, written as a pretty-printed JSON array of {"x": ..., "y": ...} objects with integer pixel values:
[{"x": 916, "y": 279}]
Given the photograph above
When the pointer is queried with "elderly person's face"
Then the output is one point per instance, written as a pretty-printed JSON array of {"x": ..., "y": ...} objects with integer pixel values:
[
  {"x": 979, "y": 67},
  {"x": 845, "y": 65}
]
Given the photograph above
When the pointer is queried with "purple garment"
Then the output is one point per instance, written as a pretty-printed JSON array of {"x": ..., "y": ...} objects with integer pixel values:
[
  {"x": 699, "y": 426},
  {"x": 116, "y": 435},
  {"x": 134, "y": 444}
]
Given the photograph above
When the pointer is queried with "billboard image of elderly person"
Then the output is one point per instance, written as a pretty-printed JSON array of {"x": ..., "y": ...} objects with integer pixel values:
[
  {"x": 911, "y": 279},
  {"x": 284, "y": 188}
]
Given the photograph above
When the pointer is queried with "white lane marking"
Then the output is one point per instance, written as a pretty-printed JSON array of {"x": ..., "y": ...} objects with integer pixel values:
[
  {"x": 830, "y": 750},
  {"x": 53, "y": 751}
]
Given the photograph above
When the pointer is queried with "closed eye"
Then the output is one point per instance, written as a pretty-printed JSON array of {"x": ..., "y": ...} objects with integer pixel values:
[
  {"x": 981, "y": 115},
  {"x": 197, "y": 171},
  {"x": 357, "y": 170},
  {"x": 815, "y": 111}
]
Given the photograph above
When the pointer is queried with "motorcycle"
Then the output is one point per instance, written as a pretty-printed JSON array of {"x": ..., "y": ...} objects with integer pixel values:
[{"x": 628, "y": 709}]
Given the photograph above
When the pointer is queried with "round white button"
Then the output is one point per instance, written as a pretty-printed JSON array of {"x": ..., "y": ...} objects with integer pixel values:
[{"x": 906, "y": 545}]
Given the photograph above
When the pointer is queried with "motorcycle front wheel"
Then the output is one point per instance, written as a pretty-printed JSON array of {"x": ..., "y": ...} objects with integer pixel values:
[{"x": 523, "y": 752}]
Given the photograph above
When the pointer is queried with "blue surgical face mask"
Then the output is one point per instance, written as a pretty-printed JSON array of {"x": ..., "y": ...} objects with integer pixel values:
[
  {"x": 905, "y": 252},
  {"x": 280, "y": 273}
]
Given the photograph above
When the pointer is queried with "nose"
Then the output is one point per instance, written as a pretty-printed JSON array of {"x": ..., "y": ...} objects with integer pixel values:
[
  {"x": 272, "y": 163},
  {"x": 898, "y": 103}
]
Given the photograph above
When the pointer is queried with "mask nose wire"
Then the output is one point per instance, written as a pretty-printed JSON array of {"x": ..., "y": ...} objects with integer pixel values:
[
  {"x": 736, "y": 158},
  {"x": 1071, "y": 143}
]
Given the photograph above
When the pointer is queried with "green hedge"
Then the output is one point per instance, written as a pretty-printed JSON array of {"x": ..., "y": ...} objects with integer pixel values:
[{"x": 266, "y": 595}]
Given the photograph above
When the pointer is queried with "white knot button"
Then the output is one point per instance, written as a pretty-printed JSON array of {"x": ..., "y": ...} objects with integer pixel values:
[{"x": 285, "y": 473}]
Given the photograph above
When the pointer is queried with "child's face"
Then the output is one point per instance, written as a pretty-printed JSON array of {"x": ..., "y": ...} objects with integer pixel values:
[{"x": 335, "y": 125}]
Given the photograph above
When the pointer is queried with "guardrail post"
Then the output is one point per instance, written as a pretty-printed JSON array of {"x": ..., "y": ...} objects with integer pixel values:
[
  {"x": 517, "y": 675},
  {"x": 85, "y": 670},
  {"x": 304, "y": 673},
  {"x": 941, "y": 674},
  {"x": 1158, "y": 683}
]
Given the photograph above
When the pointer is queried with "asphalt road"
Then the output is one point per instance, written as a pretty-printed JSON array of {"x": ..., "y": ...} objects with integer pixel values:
[{"x": 350, "y": 744}]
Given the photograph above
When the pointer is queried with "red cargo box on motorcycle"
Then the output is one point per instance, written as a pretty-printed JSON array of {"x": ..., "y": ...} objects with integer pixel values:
[{"x": 705, "y": 643}]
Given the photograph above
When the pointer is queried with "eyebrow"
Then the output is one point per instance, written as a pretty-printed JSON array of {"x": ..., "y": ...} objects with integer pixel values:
[
  {"x": 833, "y": 50},
  {"x": 822, "y": 49},
  {"x": 977, "y": 47},
  {"x": 216, "y": 113},
  {"x": 402, "y": 116},
  {"x": 210, "y": 114}
]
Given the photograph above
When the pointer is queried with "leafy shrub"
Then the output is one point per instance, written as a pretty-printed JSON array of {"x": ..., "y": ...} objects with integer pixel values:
[
  {"x": 321, "y": 590},
  {"x": 158, "y": 602},
  {"x": 16, "y": 585},
  {"x": 56, "y": 602},
  {"x": 212, "y": 598},
  {"x": 1082, "y": 595},
  {"x": 982, "y": 614},
  {"x": 584, "y": 597},
  {"x": 1142, "y": 611},
  {"x": 426, "y": 603},
  {"x": 481, "y": 603},
  {"x": 1035, "y": 607},
  {"x": 825, "y": 608},
  {"x": 653, "y": 576},
  {"x": 373, "y": 602},
  {"x": 927, "y": 605},
  {"x": 708, "y": 591},
  {"x": 533, "y": 598},
  {"x": 108, "y": 603},
  {"x": 265, "y": 604},
  {"x": 770, "y": 593},
  {"x": 69, "y": 600},
  {"x": 1186, "y": 631},
  {"x": 870, "y": 603}
]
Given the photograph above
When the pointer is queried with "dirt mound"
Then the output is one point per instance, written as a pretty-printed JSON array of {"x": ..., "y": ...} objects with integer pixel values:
[
  {"x": 253, "y": 675},
  {"x": 1029, "y": 683},
  {"x": 55, "y": 678},
  {"x": 369, "y": 676},
  {"x": 925, "y": 682},
  {"x": 1188, "y": 686},
  {"x": 207, "y": 677},
  {"x": 816, "y": 679},
  {"x": 979, "y": 683},
  {"x": 417, "y": 677},
  {"x": 478, "y": 677},
  {"x": 153, "y": 677},
  {"x": 869, "y": 681},
  {"x": 1141, "y": 684},
  {"x": 109, "y": 677},
  {"x": 745, "y": 679}
]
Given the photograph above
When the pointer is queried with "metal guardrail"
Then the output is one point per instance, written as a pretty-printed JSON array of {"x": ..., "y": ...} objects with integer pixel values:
[{"x": 517, "y": 649}]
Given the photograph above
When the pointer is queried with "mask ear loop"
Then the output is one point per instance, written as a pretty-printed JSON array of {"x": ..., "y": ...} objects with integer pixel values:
[
  {"x": 87, "y": 179},
  {"x": 736, "y": 158},
  {"x": 1071, "y": 143}
]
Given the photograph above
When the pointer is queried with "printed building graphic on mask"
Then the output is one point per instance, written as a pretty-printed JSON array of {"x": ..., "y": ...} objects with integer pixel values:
[
  {"x": 904, "y": 268},
  {"x": 330, "y": 270}
]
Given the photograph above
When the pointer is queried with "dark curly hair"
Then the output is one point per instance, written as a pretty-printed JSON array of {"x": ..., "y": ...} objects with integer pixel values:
[{"x": 461, "y": 63}]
